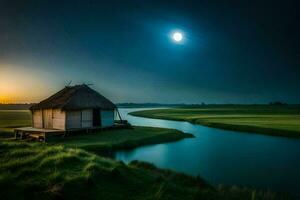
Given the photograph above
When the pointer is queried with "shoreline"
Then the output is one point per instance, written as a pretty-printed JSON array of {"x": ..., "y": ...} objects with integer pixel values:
[
  {"x": 150, "y": 135},
  {"x": 34, "y": 159},
  {"x": 40, "y": 171},
  {"x": 224, "y": 126}
]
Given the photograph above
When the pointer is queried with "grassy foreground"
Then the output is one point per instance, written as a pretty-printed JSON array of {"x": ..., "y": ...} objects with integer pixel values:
[
  {"x": 41, "y": 171},
  {"x": 270, "y": 120},
  {"x": 68, "y": 168}
]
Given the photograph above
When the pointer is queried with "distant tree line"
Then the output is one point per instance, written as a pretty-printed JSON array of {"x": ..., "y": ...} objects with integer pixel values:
[
  {"x": 277, "y": 103},
  {"x": 199, "y": 105},
  {"x": 24, "y": 106},
  {"x": 147, "y": 105}
]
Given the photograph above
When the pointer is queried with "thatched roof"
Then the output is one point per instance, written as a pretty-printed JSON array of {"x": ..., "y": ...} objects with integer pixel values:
[{"x": 75, "y": 98}]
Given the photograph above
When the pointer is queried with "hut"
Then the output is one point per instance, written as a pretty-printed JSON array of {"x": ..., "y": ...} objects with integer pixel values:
[{"x": 74, "y": 108}]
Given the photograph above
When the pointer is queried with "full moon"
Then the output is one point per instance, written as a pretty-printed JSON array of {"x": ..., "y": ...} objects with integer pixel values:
[{"x": 177, "y": 36}]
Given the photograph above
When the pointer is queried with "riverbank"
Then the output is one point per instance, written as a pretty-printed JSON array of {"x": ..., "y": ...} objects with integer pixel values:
[
  {"x": 113, "y": 140},
  {"x": 270, "y": 120},
  {"x": 42, "y": 171},
  {"x": 68, "y": 168}
]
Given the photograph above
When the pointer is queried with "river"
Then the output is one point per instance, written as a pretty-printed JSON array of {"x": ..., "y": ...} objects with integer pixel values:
[{"x": 221, "y": 156}]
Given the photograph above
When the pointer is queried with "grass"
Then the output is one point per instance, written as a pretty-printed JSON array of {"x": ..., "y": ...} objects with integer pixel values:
[
  {"x": 99, "y": 142},
  {"x": 69, "y": 168},
  {"x": 111, "y": 140},
  {"x": 42, "y": 171},
  {"x": 10, "y": 119},
  {"x": 264, "y": 119}
]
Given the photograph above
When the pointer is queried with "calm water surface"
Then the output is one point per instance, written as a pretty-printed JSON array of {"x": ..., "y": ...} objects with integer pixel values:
[{"x": 223, "y": 157}]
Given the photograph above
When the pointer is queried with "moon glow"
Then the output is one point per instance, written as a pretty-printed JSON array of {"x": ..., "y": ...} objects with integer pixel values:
[{"x": 177, "y": 36}]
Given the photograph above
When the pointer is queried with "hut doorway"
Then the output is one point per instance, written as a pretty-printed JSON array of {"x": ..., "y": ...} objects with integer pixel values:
[
  {"x": 96, "y": 117},
  {"x": 47, "y": 118}
]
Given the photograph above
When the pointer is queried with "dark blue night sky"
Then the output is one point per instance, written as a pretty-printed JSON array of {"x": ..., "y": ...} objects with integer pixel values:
[{"x": 237, "y": 52}]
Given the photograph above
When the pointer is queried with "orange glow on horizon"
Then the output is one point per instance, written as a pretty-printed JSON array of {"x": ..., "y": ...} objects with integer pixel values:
[
  {"x": 9, "y": 92},
  {"x": 19, "y": 84}
]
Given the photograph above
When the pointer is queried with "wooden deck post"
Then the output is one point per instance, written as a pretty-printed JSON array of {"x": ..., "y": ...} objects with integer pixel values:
[{"x": 119, "y": 115}]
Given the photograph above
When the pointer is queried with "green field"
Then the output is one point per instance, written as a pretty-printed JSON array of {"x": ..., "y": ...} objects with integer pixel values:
[
  {"x": 10, "y": 119},
  {"x": 271, "y": 120},
  {"x": 71, "y": 168}
]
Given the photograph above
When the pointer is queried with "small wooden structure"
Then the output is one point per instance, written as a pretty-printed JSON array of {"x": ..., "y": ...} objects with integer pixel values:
[{"x": 71, "y": 109}]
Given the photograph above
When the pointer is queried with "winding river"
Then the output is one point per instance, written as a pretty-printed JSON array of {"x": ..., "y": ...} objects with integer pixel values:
[{"x": 221, "y": 156}]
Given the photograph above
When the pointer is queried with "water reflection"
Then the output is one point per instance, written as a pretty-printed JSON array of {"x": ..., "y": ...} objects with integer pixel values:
[{"x": 223, "y": 157}]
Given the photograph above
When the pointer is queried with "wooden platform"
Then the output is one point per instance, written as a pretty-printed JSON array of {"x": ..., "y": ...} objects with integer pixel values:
[
  {"x": 42, "y": 133},
  {"x": 37, "y": 133}
]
